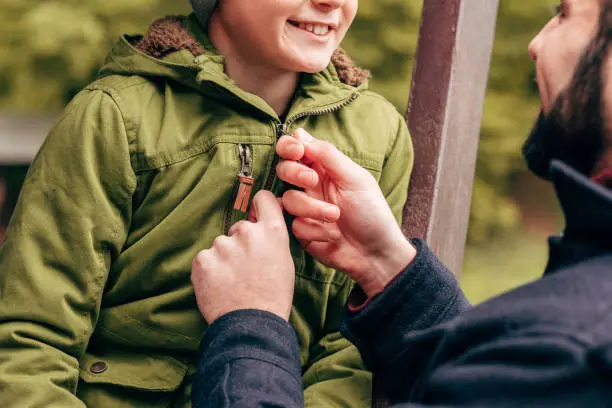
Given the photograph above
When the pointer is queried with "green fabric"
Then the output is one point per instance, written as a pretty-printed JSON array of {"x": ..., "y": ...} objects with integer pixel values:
[{"x": 136, "y": 177}]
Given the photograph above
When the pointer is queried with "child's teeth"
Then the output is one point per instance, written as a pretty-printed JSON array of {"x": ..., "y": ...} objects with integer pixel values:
[
  {"x": 320, "y": 30},
  {"x": 314, "y": 28}
]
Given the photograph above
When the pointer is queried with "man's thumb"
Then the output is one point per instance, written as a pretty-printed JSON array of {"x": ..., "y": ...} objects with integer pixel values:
[
  {"x": 339, "y": 166},
  {"x": 266, "y": 208}
]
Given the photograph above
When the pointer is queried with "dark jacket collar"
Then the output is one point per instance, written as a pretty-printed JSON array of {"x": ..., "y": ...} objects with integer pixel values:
[{"x": 587, "y": 207}]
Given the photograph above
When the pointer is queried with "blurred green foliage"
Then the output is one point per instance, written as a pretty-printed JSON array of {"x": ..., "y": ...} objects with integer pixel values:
[
  {"x": 50, "y": 49},
  {"x": 501, "y": 265}
]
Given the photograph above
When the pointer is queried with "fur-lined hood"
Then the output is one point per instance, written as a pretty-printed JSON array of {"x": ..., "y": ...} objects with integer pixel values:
[{"x": 169, "y": 35}]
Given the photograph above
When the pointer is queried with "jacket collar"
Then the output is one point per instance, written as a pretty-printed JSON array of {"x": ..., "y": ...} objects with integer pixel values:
[{"x": 587, "y": 207}]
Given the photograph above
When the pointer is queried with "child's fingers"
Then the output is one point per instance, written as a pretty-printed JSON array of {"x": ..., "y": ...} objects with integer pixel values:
[
  {"x": 300, "y": 204},
  {"x": 297, "y": 174},
  {"x": 309, "y": 231},
  {"x": 289, "y": 148}
]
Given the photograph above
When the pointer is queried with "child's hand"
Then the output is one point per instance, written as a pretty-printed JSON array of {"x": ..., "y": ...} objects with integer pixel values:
[
  {"x": 251, "y": 268},
  {"x": 343, "y": 219}
]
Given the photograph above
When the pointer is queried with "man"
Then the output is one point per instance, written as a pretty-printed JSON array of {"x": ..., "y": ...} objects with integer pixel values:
[{"x": 548, "y": 343}]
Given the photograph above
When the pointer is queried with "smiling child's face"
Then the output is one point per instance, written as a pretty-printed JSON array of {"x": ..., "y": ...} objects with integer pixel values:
[{"x": 287, "y": 35}]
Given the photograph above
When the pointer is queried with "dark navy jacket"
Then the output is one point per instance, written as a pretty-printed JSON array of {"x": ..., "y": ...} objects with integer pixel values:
[{"x": 546, "y": 344}]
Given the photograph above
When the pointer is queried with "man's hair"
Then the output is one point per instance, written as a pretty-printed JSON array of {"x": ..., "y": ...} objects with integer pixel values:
[{"x": 579, "y": 107}]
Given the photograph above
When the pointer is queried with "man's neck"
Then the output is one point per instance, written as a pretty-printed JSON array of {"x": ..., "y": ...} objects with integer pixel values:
[
  {"x": 604, "y": 163},
  {"x": 274, "y": 86},
  {"x": 602, "y": 172}
]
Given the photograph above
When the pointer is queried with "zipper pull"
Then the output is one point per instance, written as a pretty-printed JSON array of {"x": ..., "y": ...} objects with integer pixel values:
[
  {"x": 246, "y": 180},
  {"x": 281, "y": 129}
]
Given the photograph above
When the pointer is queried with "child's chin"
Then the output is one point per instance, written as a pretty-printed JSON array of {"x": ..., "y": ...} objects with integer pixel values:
[
  {"x": 312, "y": 67},
  {"x": 309, "y": 61}
]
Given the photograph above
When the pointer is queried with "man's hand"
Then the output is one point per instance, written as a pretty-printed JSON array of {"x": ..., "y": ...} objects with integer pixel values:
[
  {"x": 343, "y": 219},
  {"x": 251, "y": 268}
]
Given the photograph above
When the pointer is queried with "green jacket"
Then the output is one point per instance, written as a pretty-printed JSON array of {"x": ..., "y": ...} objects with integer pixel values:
[{"x": 138, "y": 175}]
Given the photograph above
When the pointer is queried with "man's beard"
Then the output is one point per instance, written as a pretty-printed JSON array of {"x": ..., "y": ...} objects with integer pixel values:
[{"x": 578, "y": 144}]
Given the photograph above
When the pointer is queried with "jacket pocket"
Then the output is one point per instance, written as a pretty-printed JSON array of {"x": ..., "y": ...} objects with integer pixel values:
[{"x": 132, "y": 370}]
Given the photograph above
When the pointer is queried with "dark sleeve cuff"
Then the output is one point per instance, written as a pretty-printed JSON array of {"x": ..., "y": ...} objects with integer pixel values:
[
  {"x": 425, "y": 294},
  {"x": 249, "y": 334}
]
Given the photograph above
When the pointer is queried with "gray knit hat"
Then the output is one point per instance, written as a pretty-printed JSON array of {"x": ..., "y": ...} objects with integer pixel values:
[{"x": 203, "y": 9}]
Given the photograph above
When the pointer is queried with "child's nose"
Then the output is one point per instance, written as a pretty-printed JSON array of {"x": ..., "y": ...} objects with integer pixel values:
[{"x": 328, "y": 4}]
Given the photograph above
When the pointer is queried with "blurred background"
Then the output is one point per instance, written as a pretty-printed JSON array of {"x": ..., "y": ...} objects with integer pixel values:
[{"x": 50, "y": 49}]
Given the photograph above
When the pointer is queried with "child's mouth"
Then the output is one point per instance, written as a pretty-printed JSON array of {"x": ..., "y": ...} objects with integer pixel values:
[{"x": 314, "y": 28}]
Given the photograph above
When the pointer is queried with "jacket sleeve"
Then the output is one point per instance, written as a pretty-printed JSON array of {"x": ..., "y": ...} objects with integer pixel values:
[
  {"x": 248, "y": 358},
  {"x": 70, "y": 223},
  {"x": 402, "y": 321},
  {"x": 251, "y": 358},
  {"x": 537, "y": 369},
  {"x": 425, "y": 358},
  {"x": 397, "y": 169},
  {"x": 337, "y": 376}
]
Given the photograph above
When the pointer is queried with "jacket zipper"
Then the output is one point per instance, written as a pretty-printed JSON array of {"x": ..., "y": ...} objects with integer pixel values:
[
  {"x": 245, "y": 189},
  {"x": 245, "y": 175},
  {"x": 281, "y": 129}
]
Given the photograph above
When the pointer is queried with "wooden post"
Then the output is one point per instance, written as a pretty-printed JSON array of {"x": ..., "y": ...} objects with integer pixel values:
[
  {"x": 444, "y": 115},
  {"x": 2, "y": 199}
]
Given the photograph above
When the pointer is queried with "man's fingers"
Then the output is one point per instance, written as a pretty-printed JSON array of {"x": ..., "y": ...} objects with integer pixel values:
[
  {"x": 297, "y": 174},
  {"x": 289, "y": 148},
  {"x": 338, "y": 166},
  {"x": 237, "y": 227},
  {"x": 201, "y": 260},
  {"x": 204, "y": 263},
  {"x": 300, "y": 204},
  {"x": 252, "y": 217},
  {"x": 267, "y": 209},
  {"x": 310, "y": 231}
]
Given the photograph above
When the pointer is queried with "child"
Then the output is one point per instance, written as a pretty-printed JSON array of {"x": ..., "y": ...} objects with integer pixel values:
[{"x": 147, "y": 166}]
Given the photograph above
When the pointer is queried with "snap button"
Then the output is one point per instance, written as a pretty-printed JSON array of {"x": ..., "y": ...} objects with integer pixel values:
[{"x": 98, "y": 367}]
